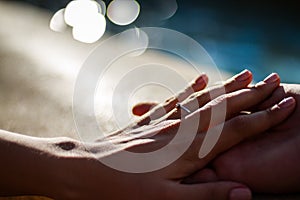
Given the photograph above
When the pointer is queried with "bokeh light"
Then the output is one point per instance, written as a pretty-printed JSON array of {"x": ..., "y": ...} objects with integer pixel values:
[
  {"x": 123, "y": 12},
  {"x": 57, "y": 22},
  {"x": 87, "y": 18},
  {"x": 90, "y": 31},
  {"x": 102, "y": 7},
  {"x": 79, "y": 11},
  {"x": 136, "y": 39},
  {"x": 169, "y": 8}
]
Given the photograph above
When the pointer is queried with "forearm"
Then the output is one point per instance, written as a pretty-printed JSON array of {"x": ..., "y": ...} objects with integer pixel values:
[
  {"x": 27, "y": 165},
  {"x": 59, "y": 168}
]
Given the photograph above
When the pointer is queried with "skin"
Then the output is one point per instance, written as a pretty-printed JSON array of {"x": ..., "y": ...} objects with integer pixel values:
[
  {"x": 193, "y": 97},
  {"x": 267, "y": 163},
  {"x": 69, "y": 169}
]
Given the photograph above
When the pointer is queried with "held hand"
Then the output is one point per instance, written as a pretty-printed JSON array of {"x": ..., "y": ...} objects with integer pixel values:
[
  {"x": 269, "y": 163},
  {"x": 166, "y": 183}
]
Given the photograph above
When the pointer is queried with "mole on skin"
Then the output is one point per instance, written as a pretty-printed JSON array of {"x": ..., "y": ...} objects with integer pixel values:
[{"x": 66, "y": 145}]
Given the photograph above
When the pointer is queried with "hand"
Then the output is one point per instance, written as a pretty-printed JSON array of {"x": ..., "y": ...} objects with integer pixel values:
[
  {"x": 193, "y": 97},
  {"x": 269, "y": 163},
  {"x": 166, "y": 183},
  {"x": 71, "y": 170},
  {"x": 262, "y": 161}
]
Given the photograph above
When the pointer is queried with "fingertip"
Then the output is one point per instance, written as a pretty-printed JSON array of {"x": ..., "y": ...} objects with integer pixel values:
[
  {"x": 142, "y": 108},
  {"x": 287, "y": 102},
  {"x": 280, "y": 111},
  {"x": 239, "y": 81},
  {"x": 200, "y": 82},
  {"x": 202, "y": 77},
  {"x": 244, "y": 76},
  {"x": 240, "y": 193},
  {"x": 272, "y": 78}
]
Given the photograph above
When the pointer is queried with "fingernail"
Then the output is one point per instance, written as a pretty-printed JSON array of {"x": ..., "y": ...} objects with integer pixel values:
[
  {"x": 272, "y": 78},
  {"x": 244, "y": 75},
  {"x": 287, "y": 102},
  {"x": 203, "y": 79},
  {"x": 240, "y": 194}
]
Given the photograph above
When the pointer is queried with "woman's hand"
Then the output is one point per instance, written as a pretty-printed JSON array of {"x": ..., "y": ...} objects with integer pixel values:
[
  {"x": 192, "y": 97},
  {"x": 86, "y": 177},
  {"x": 69, "y": 169}
]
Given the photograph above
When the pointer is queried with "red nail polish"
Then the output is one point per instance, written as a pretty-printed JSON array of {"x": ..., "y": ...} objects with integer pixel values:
[{"x": 202, "y": 79}]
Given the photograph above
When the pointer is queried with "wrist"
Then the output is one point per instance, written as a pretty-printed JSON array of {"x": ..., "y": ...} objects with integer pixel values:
[
  {"x": 32, "y": 166},
  {"x": 63, "y": 167},
  {"x": 26, "y": 164},
  {"x": 80, "y": 175}
]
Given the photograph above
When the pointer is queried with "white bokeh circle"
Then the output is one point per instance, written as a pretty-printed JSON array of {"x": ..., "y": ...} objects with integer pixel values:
[
  {"x": 148, "y": 74},
  {"x": 91, "y": 30},
  {"x": 93, "y": 75},
  {"x": 123, "y": 12},
  {"x": 57, "y": 22},
  {"x": 76, "y": 12}
]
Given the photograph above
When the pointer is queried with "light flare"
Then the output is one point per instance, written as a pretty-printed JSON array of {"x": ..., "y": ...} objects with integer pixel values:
[
  {"x": 57, "y": 22},
  {"x": 123, "y": 12}
]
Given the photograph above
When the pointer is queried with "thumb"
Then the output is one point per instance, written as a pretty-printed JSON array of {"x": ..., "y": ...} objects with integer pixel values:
[{"x": 215, "y": 190}]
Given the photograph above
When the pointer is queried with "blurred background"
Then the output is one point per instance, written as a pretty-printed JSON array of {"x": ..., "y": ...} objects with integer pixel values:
[
  {"x": 38, "y": 67},
  {"x": 262, "y": 36}
]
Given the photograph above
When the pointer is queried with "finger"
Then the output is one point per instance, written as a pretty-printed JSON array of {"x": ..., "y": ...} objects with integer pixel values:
[
  {"x": 199, "y": 99},
  {"x": 276, "y": 96},
  {"x": 142, "y": 108},
  {"x": 245, "y": 126},
  {"x": 230, "y": 105},
  {"x": 215, "y": 190},
  {"x": 202, "y": 176},
  {"x": 161, "y": 109},
  {"x": 198, "y": 84}
]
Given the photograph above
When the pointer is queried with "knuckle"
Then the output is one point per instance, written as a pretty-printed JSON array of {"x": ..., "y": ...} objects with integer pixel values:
[
  {"x": 217, "y": 91},
  {"x": 196, "y": 95},
  {"x": 219, "y": 100},
  {"x": 199, "y": 95}
]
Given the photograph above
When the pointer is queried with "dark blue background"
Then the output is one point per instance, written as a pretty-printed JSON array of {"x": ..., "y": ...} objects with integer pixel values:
[{"x": 262, "y": 36}]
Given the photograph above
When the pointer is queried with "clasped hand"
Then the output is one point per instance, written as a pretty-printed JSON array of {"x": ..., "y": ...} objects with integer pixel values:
[{"x": 157, "y": 128}]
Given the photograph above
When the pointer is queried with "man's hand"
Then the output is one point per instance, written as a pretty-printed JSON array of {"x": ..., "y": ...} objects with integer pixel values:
[
  {"x": 270, "y": 162},
  {"x": 166, "y": 183}
]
